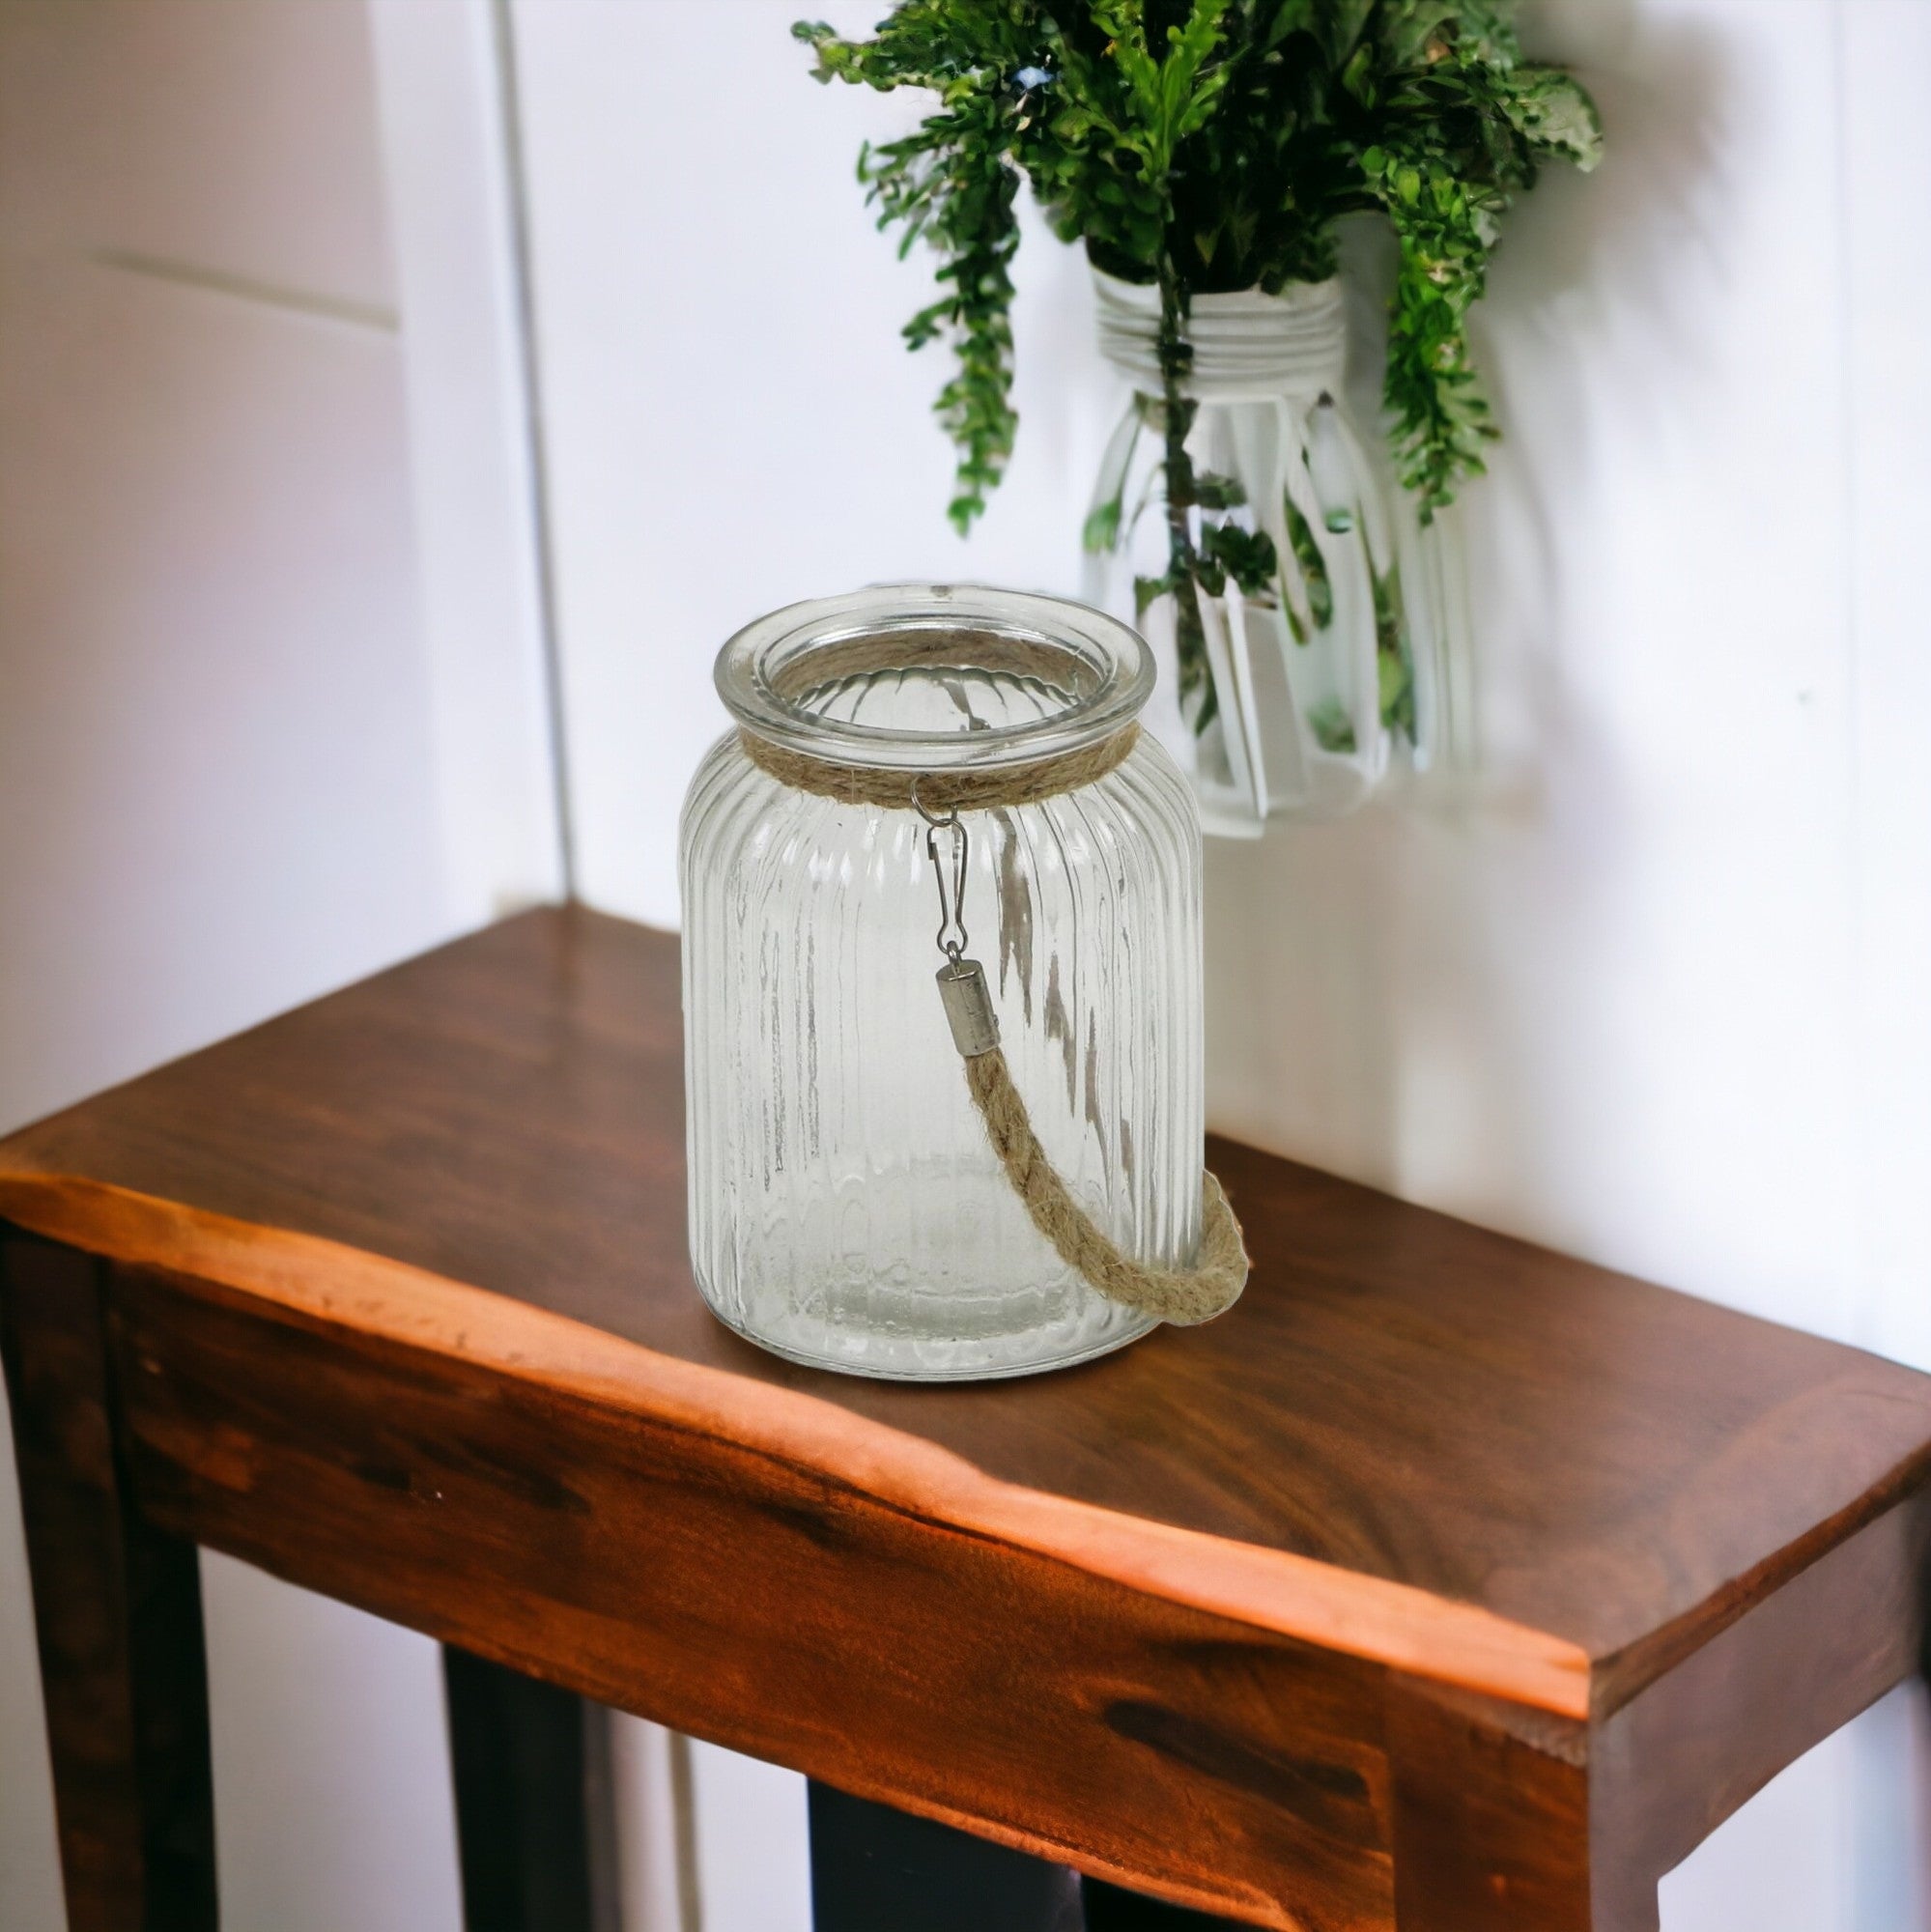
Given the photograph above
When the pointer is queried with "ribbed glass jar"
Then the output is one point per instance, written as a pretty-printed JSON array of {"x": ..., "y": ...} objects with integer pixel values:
[
  {"x": 846, "y": 1208},
  {"x": 1346, "y": 662}
]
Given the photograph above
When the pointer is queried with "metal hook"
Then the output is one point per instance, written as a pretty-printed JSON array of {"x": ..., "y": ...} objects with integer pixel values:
[
  {"x": 951, "y": 901},
  {"x": 924, "y": 810}
]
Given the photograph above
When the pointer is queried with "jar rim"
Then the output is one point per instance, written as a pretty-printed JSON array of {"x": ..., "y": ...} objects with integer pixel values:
[{"x": 1107, "y": 669}]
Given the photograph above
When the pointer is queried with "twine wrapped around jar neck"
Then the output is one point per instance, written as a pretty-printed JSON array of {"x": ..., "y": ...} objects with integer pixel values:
[
  {"x": 962, "y": 790},
  {"x": 1247, "y": 346}
]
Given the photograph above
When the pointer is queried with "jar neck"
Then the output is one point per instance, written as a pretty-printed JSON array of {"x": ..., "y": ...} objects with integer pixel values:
[
  {"x": 925, "y": 678},
  {"x": 1247, "y": 346}
]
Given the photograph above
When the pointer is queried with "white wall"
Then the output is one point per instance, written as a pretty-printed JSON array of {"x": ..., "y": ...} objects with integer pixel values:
[
  {"x": 729, "y": 422},
  {"x": 253, "y": 742},
  {"x": 1653, "y": 999}
]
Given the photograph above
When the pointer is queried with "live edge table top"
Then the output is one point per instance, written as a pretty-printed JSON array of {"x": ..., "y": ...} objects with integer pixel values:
[{"x": 1413, "y": 1448}]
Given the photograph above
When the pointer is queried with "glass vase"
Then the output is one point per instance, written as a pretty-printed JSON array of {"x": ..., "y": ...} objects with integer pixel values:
[
  {"x": 1343, "y": 662},
  {"x": 846, "y": 1208}
]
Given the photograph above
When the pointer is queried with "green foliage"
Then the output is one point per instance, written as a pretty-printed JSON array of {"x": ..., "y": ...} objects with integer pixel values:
[
  {"x": 1213, "y": 491},
  {"x": 1102, "y": 530},
  {"x": 1247, "y": 557},
  {"x": 1332, "y": 728},
  {"x": 1219, "y": 141},
  {"x": 1206, "y": 145},
  {"x": 1313, "y": 566},
  {"x": 1394, "y": 659}
]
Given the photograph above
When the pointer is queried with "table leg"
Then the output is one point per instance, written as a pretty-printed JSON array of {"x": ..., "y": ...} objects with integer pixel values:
[
  {"x": 534, "y": 1823},
  {"x": 874, "y": 1869},
  {"x": 1491, "y": 1826},
  {"x": 117, "y": 1607},
  {"x": 1110, "y": 1909}
]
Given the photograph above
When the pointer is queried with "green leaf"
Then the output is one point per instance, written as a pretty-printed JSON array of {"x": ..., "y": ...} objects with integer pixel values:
[
  {"x": 1291, "y": 16},
  {"x": 1558, "y": 117},
  {"x": 1358, "y": 77},
  {"x": 1394, "y": 658},
  {"x": 1332, "y": 728},
  {"x": 1146, "y": 592},
  {"x": 1313, "y": 565},
  {"x": 1247, "y": 557},
  {"x": 1395, "y": 677},
  {"x": 1214, "y": 492},
  {"x": 1101, "y": 530}
]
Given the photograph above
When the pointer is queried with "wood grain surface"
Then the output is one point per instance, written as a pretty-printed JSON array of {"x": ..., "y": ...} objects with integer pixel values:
[
  {"x": 676, "y": 1572},
  {"x": 1599, "y": 1465}
]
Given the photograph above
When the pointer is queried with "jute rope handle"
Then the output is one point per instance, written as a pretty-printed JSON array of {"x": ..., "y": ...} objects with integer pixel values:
[{"x": 1181, "y": 1295}]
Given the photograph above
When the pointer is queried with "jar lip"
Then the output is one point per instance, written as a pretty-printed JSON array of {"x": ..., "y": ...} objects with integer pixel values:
[{"x": 1108, "y": 668}]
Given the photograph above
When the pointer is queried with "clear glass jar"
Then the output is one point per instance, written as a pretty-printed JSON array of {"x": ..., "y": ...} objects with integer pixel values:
[
  {"x": 1350, "y": 663},
  {"x": 846, "y": 1208}
]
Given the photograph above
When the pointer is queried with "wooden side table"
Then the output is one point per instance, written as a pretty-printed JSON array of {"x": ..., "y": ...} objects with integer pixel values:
[{"x": 1445, "y": 1584}]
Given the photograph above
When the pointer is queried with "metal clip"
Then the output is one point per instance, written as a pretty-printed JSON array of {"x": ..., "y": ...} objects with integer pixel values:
[
  {"x": 951, "y": 893},
  {"x": 968, "y": 999}
]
